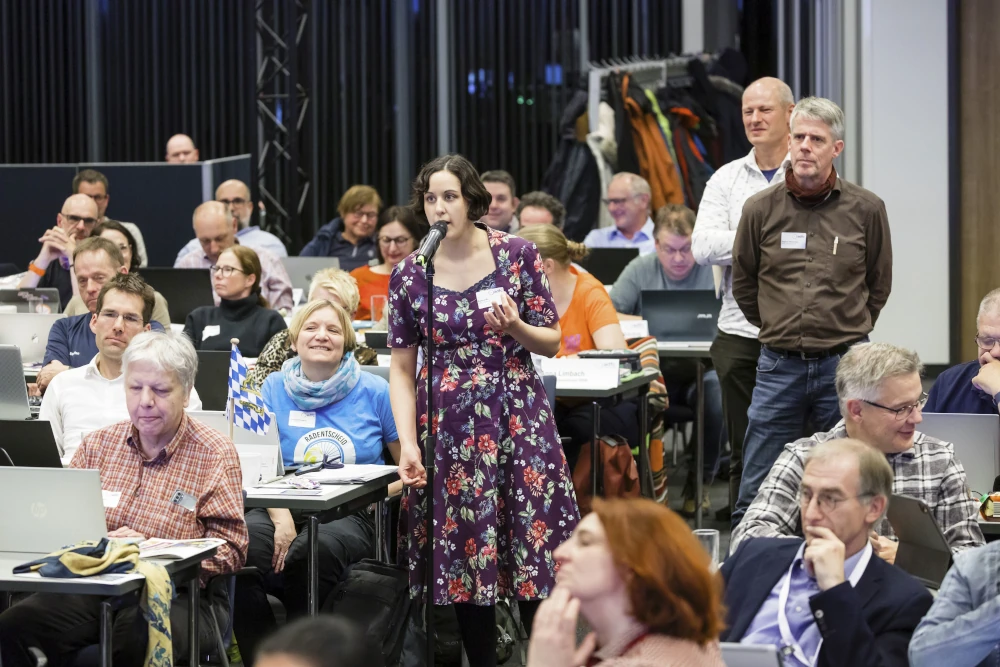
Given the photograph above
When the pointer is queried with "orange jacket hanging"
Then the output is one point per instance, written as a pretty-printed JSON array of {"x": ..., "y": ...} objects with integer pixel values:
[{"x": 654, "y": 160}]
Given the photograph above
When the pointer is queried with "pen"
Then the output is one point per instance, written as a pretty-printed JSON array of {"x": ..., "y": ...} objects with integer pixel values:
[{"x": 836, "y": 240}]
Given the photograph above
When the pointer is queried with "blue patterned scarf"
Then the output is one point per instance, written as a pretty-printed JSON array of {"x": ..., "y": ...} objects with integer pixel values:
[{"x": 309, "y": 395}]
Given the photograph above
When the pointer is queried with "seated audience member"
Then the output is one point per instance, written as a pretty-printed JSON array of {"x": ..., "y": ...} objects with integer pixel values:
[
  {"x": 333, "y": 285},
  {"x": 973, "y": 387},
  {"x": 94, "y": 184},
  {"x": 961, "y": 628},
  {"x": 881, "y": 396},
  {"x": 236, "y": 196},
  {"x": 324, "y": 641},
  {"x": 242, "y": 313},
  {"x": 181, "y": 150},
  {"x": 500, "y": 215},
  {"x": 628, "y": 202},
  {"x": 540, "y": 208},
  {"x": 146, "y": 460},
  {"x": 672, "y": 267},
  {"x": 54, "y": 265},
  {"x": 643, "y": 582},
  {"x": 118, "y": 234},
  {"x": 325, "y": 407},
  {"x": 349, "y": 237},
  {"x": 588, "y": 322},
  {"x": 398, "y": 233},
  {"x": 90, "y": 397},
  {"x": 71, "y": 341},
  {"x": 827, "y": 600},
  {"x": 215, "y": 229}
]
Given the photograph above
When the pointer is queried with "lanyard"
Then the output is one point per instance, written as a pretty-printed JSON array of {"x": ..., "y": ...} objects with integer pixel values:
[{"x": 787, "y": 640}]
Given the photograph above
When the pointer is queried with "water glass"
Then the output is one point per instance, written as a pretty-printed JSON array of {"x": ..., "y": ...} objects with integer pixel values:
[{"x": 709, "y": 539}]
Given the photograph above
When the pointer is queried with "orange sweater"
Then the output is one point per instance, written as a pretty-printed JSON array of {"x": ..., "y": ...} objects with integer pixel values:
[
  {"x": 369, "y": 284},
  {"x": 589, "y": 310}
]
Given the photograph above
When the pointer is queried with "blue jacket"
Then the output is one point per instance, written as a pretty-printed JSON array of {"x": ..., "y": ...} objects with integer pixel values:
[
  {"x": 963, "y": 625},
  {"x": 330, "y": 242},
  {"x": 867, "y": 625},
  {"x": 953, "y": 392}
]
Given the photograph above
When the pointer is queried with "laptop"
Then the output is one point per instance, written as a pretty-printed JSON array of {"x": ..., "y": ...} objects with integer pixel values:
[
  {"x": 13, "y": 390},
  {"x": 27, "y": 331},
  {"x": 212, "y": 381},
  {"x": 184, "y": 289},
  {"x": 38, "y": 300},
  {"x": 977, "y": 444},
  {"x": 302, "y": 269},
  {"x": 606, "y": 264},
  {"x": 681, "y": 315},
  {"x": 28, "y": 444},
  {"x": 923, "y": 551},
  {"x": 749, "y": 655},
  {"x": 45, "y": 509}
]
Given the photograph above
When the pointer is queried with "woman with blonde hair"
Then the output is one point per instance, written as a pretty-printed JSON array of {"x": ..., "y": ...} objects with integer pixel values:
[{"x": 243, "y": 312}]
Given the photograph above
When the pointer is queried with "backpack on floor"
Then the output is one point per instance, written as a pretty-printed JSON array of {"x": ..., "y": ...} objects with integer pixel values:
[
  {"x": 619, "y": 473},
  {"x": 376, "y": 596}
]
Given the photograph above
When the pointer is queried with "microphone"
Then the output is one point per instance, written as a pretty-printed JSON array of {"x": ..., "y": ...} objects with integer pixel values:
[{"x": 431, "y": 242}]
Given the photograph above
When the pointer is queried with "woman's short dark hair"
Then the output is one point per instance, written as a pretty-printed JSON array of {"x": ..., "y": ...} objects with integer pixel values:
[
  {"x": 404, "y": 215},
  {"x": 476, "y": 196},
  {"x": 123, "y": 230},
  {"x": 324, "y": 641}
]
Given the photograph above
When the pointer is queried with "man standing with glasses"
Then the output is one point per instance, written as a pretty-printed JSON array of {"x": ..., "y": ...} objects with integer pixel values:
[
  {"x": 54, "y": 265},
  {"x": 880, "y": 397},
  {"x": 236, "y": 195},
  {"x": 974, "y": 387},
  {"x": 90, "y": 397},
  {"x": 628, "y": 202},
  {"x": 94, "y": 184}
]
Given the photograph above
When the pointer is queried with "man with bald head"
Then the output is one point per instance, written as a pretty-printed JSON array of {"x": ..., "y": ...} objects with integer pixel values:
[
  {"x": 628, "y": 202},
  {"x": 767, "y": 108},
  {"x": 181, "y": 150},
  {"x": 215, "y": 231},
  {"x": 236, "y": 196},
  {"x": 53, "y": 267}
]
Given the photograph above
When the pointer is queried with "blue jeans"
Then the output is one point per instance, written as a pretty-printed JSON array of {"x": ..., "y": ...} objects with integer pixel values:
[{"x": 789, "y": 393}]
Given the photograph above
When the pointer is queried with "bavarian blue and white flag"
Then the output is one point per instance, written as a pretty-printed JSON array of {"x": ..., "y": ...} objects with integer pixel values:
[{"x": 247, "y": 405}]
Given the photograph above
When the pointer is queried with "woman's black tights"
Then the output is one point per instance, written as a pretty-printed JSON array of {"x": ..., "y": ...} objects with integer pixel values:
[{"x": 478, "y": 626}]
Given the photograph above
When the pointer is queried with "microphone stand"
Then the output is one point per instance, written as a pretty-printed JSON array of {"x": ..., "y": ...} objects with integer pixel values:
[{"x": 430, "y": 445}]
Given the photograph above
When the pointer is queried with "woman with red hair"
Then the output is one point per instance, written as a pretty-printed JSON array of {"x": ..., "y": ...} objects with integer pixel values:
[{"x": 644, "y": 584}]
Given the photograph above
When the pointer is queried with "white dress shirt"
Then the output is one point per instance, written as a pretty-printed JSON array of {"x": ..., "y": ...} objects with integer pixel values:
[
  {"x": 610, "y": 237},
  {"x": 715, "y": 229},
  {"x": 82, "y": 400}
]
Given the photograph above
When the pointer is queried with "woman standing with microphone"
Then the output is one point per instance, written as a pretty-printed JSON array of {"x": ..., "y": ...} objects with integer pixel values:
[{"x": 503, "y": 496}]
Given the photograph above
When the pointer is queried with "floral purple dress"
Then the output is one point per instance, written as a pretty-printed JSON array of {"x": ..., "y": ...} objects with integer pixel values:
[{"x": 504, "y": 494}]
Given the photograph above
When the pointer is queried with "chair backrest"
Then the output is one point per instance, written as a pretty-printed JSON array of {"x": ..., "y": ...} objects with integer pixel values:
[{"x": 549, "y": 381}]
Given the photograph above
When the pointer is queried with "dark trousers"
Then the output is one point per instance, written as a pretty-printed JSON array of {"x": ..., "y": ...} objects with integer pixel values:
[
  {"x": 478, "y": 627},
  {"x": 577, "y": 423},
  {"x": 60, "y": 625},
  {"x": 342, "y": 543},
  {"x": 735, "y": 360}
]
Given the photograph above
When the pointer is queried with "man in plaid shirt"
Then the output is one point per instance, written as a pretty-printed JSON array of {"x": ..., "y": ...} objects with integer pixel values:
[
  {"x": 163, "y": 475},
  {"x": 881, "y": 397}
]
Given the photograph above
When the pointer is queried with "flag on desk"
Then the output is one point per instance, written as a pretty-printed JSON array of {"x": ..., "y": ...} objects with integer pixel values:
[{"x": 247, "y": 405}]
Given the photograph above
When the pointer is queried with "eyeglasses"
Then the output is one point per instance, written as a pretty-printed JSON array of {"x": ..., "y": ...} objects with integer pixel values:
[
  {"x": 827, "y": 502},
  {"x": 111, "y": 316},
  {"x": 617, "y": 202},
  {"x": 98, "y": 198},
  {"x": 399, "y": 240},
  {"x": 986, "y": 342},
  {"x": 370, "y": 215},
  {"x": 226, "y": 271},
  {"x": 76, "y": 220},
  {"x": 236, "y": 201},
  {"x": 903, "y": 412}
]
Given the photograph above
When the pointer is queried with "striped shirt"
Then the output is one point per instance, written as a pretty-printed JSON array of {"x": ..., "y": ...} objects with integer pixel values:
[
  {"x": 928, "y": 471},
  {"x": 199, "y": 462}
]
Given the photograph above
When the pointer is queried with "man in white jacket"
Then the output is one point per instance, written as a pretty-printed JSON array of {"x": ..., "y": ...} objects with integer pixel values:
[{"x": 767, "y": 108}]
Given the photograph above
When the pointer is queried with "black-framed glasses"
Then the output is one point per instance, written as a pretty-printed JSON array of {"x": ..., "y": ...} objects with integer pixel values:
[
  {"x": 235, "y": 201},
  {"x": 986, "y": 342},
  {"x": 398, "y": 241},
  {"x": 76, "y": 220},
  {"x": 328, "y": 463},
  {"x": 618, "y": 201},
  {"x": 903, "y": 412},
  {"x": 226, "y": 271},
  {"x": 827, "y": 502}
]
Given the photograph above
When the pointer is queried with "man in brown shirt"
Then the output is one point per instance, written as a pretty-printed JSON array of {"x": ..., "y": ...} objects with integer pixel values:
[{"x": 812, "y": 267}]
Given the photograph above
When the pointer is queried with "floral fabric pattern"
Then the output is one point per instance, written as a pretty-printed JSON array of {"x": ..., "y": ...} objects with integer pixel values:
[{"x": 504, "y": 497}]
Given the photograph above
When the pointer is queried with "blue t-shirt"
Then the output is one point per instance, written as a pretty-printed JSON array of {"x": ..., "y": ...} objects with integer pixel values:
[
  {"x": 769, "y": 173},
  {"x": 355, "y": 428}
]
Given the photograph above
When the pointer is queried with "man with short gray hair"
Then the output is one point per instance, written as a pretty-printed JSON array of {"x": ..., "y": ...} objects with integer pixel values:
[
  {"x": 974, "y": 387},
  {"x": 812, "y": 268},
  {"x": 880, "y": 397},
  {"x": 628, "y": 202}
]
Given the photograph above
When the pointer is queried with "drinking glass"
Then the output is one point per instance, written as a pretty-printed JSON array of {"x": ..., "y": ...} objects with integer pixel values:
[{"x": 709, "y": 538}]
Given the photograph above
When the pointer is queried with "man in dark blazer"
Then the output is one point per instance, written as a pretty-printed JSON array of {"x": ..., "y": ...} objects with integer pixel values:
[{"x": 827, "y": 600}]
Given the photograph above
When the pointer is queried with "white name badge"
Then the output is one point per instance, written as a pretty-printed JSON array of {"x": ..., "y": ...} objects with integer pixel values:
[
  {"x": 111, "y": 498},
  {"x": 302, "y": 419},
  {"x": 487, "y": 297},
  {"x": 793, "y": 240},
  {"x": 209, "y": 331},
  {"x": 635, "y": 328},
  {"x": 583, "y": 373}
]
